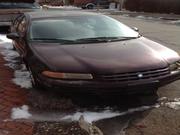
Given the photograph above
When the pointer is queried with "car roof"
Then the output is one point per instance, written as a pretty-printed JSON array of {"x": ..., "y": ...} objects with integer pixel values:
[{"x": 42, "y": 14}]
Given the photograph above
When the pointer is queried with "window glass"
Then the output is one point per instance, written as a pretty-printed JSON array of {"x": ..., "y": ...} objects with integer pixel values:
[{"x": 79, "y": 27}]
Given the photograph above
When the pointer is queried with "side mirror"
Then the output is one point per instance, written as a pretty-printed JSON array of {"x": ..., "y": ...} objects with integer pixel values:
[
  {"x": 13, "y": 36},
  {"x": 135, "y": 29}
]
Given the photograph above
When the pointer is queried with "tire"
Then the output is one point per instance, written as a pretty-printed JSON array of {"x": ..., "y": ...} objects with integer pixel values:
[
  {"x": 35, "y": 82},
  {"x": 151, "y": 92},
  {"x": 149, "y": 99},
  {"x": 14, "y": 48},
  {"x": 83, "y": 7},
  {"x": 90, "y": 6}
]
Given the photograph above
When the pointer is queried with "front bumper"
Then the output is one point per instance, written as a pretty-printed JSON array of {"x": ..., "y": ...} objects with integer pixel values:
[{"x": 93, "y": 86}]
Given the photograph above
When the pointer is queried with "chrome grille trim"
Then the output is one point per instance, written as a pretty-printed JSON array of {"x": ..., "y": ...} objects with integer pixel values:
[{"x": 131, "y": 76}]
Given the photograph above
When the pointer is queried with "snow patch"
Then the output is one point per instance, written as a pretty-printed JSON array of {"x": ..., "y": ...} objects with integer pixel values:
[
  {"x": 150, "y": 18},
  {"x": 170, "y": 103},
  {"x": 20, "y": 112},
  {"x": 125, "y": 15},
  {"x": 140, "y": 17},
  {"x": 91, "y": 116},
  {"x": 175, "y": 22},
  {"x": 146, "y": 17},
  {"x": 6, "y": 45},
  {"x": 175, "y": 104},
  {"x": 95, "y": 116},
  {"x": 10, "y": 55},
  {"x": 60, "y": 7},
  {"x": 5, "y": 39},
  {"x": 162, "y": 99},
  {"x": 22, "y": 76}
]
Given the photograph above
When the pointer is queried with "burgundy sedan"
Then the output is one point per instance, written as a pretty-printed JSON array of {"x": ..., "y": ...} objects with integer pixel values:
[{"x": 88, "y": 52}]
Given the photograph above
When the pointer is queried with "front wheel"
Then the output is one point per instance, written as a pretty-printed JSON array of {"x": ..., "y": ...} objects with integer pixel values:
[
  {"x": 151, "y": 92},
  {"x": 34, "y": 80}
]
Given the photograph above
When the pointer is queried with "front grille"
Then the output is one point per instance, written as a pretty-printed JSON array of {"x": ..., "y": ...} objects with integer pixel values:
[{"x": 131, "y": 76}]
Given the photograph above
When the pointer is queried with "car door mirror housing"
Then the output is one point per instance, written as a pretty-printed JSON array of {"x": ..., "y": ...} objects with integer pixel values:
[
  {"x": 135, "y": 29},
  {"x": 13, "y": 36}
]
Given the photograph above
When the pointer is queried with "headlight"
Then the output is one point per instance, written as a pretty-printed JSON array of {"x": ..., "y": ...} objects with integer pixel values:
[
  {"x": 175, "y": 66},
  {"x": 58, "y": 75}
]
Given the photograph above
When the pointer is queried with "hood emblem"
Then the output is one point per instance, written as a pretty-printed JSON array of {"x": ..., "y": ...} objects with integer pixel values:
[{"x": 140, "y": 75}]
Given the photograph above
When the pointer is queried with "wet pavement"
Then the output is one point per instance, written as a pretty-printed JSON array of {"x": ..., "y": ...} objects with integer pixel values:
[{"x": 54, "y": 113}]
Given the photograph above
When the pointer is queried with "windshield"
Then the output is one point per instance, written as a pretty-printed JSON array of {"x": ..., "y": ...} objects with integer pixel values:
[
  {"x": 14, "y": 5},
  {"x": 77, "y": 28}
]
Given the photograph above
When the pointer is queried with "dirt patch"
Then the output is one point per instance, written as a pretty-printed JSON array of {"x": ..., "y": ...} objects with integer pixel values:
[{"x": 54, "y": 128}]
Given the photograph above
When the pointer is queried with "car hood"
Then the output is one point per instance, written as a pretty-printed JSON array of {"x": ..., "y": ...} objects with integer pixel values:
[{"x": 100, "y": 58}]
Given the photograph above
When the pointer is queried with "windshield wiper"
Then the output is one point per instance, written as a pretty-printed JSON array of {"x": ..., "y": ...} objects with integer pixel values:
[
  {"x": 96, "y": 39},
  {"x": 127, "y": 38},
  {"x": 84, "y": 40},
  {"x": 53, "y": 40},
  {"x": 104, "y": 39}
]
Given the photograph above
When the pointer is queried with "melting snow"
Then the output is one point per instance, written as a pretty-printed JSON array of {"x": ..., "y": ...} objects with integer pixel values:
[
  {"x": 162, "y": 99},
  {"x": 5, "y": 39},
  {"x": 89, "y": 116},
  {"x": 140, "y": 17},
  {"x": 125, "y": 15},
  {"x": 171, "y": 103},
  {"x": 175, "y": 104},
  {"x": 95, "y": 116},
  {"x": 92, "y": 116},
  {"x": 22, "y": 76},
  {"x": 146, "y": 17},
  {"x": 10, "y": 55},
  {"x": 61, "y": 7},
  {"x": 20, "y": 112},
  {"x": 175, "y": 22}
]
